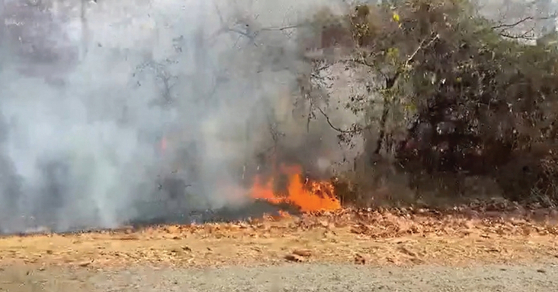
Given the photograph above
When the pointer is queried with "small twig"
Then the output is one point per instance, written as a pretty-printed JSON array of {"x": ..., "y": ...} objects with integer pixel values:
[
  {"x": 283, "y": 28},
  {"x": 514, "y": 24},
  {"x": 248, "y": 33},
  {"x": 420, "y": 47},
  {"x": 503, "y": 27},
  {"x": 334, "y": 127},
  {"x": 516, "y": 37}
]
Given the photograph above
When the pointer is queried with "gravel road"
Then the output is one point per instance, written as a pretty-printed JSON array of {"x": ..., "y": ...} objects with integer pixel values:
[{"x": 298, "y": 277}]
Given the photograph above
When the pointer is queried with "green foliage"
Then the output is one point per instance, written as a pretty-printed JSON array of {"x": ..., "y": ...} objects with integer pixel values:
[{"x": 440, "y": 52}]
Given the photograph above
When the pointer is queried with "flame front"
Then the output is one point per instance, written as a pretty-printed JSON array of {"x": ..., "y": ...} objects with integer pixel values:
[{"x": 309, "y": 196}]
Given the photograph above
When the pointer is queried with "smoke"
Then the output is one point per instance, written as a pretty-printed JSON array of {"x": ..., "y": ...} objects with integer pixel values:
[{"x": 90, "y": 90}]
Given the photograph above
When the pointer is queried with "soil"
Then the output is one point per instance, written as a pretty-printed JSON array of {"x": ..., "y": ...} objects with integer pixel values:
[{"x": 366, "y": 250}]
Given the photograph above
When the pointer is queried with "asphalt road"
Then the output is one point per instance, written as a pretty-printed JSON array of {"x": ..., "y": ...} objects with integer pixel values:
[{"x": 312, "y": 277}]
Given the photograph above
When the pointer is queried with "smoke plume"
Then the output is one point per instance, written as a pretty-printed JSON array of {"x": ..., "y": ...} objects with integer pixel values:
[{"x": 110, "y": 110}]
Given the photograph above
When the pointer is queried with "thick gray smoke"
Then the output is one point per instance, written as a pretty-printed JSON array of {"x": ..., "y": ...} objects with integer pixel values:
[{"x": 88, "y": 91}]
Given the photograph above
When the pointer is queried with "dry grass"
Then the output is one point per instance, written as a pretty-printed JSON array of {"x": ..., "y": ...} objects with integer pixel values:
[{"x": 370, "y": 237}]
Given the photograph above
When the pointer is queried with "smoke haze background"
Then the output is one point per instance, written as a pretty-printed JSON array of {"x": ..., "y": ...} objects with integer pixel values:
[{"x": 87, "y": 93}]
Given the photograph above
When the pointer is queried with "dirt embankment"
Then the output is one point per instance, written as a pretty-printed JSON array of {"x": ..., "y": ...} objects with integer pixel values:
[{"x": 404, "y": 237}]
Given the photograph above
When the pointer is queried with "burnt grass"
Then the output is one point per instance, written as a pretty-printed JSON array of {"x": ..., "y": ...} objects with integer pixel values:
[{"x": 254, "y": 209}]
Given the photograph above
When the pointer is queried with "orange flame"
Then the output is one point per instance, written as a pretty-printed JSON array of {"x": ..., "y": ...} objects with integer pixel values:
[{"x": 309, "y": 196}]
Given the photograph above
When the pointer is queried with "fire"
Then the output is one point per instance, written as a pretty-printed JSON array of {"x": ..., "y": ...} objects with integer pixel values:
[{"x": 308, "y": 195}]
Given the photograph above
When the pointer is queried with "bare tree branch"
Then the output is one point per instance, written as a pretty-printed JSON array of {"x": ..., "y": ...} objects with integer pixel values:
[
  {"x": 525, "y": 19},
  {"x": 421, "y": 46},
  {"x": 328, "y": 120}
]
